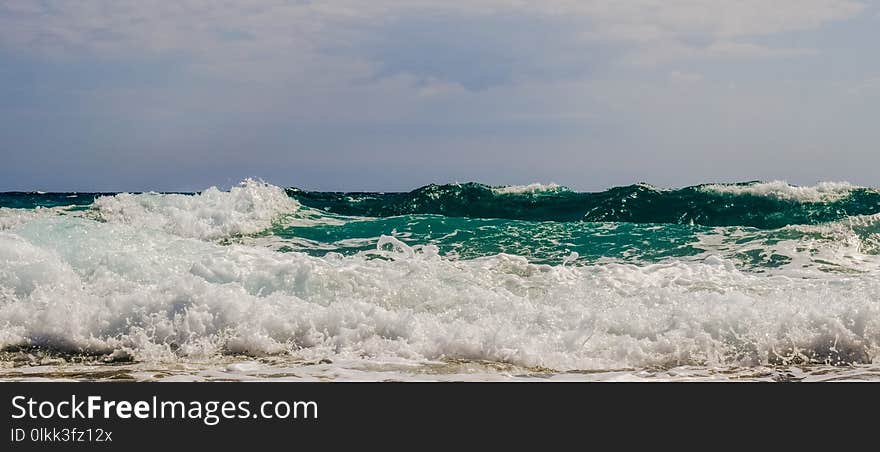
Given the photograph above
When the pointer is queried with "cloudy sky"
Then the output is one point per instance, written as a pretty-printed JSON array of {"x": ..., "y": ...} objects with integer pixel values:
[{"x": 391, "y": 95}]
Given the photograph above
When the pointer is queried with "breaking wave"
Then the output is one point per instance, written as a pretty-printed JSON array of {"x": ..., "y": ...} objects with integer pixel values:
[
  {"x": 757, "y": 204},
  {"x": 246, "y": 209},
  {"x": 171, "y": 277}
]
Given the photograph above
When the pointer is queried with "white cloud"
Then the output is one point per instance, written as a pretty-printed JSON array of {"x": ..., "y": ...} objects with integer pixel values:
[
  {"x": 297, "y": 58},
  {"x": 306, "y": 82},
  {"x": 296, "y": 30}
]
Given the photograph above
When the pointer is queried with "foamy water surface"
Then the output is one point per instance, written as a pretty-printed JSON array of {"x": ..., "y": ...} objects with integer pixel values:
[{"x": 253, "y": 284}]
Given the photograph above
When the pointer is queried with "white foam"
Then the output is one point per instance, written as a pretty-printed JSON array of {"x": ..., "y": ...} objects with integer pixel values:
[
  {"x": 530, "y": 188},
  {"x": 10, "y": 218},
  {"x": 821, "y": 192},
  {"x": 80, "y": 285},
  {"x": 212, "y": 214},
  {"x": 14, "y": 217},
  {"x": 849, "y": 246},
  {"x": 276, "y": 369}
]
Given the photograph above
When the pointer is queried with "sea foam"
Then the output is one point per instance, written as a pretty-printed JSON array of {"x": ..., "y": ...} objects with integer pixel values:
[
  {"x": 76, "y": 285},
  {"x": 530, "y": 188},
  {"x": 821, "y": 192},
  {"x": 212, "y": 214}
]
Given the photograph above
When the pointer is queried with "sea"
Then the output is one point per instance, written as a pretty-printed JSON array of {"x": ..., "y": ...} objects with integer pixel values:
[{"x": 763, "y": 281}]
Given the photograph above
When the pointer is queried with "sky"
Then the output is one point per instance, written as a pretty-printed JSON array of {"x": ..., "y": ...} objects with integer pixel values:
[{"x": 387, "y": 95}]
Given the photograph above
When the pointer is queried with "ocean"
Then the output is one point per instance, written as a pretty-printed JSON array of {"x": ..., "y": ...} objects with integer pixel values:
[{"x": 747, "y": 281}]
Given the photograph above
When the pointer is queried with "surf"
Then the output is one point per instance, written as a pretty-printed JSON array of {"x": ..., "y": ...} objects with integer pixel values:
[
  {"x": 757, "y": 204},
  {"x": 262, "y": 273}
]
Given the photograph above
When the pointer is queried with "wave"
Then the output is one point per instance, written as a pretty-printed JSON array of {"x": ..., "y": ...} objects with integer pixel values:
[
  {"x": 171, "y": 277},
  {"x": 821, "y": 192},
  {"x": 75, "y": 285},
  {"x": 763, "y": 205},
  {"x": 530, "y": 188},
  {"x": 850, "y": 246},
  {"x": 247, "y": 208}
]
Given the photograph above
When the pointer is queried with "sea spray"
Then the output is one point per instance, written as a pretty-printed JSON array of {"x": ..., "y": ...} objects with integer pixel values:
[
  {"x": 253, "y": 272},
  {"x": 756, "y": 204}
]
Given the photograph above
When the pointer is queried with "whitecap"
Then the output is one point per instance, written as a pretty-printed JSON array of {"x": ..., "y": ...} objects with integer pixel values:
[{"x": 821, "y": 192}]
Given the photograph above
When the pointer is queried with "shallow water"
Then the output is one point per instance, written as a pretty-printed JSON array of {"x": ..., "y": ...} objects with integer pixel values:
[{"x": 275, "y": 369}]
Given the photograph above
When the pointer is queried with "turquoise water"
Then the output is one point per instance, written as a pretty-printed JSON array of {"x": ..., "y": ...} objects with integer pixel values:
[
  {"x": 741, "y": 276},
  {"x": 548, "y": 223},
  {"x": 707, "y": 205},
  {"x": 539, "y": 241}
]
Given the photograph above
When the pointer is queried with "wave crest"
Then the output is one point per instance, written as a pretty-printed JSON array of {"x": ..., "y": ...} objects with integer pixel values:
[
  {"x": 212, "y": 214},
  {"x": 530, "y": 188},
  {"x": 82, "y": 286},
  {"x": 765, "y": 205},
  {"x": 821, "y": 192}
]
